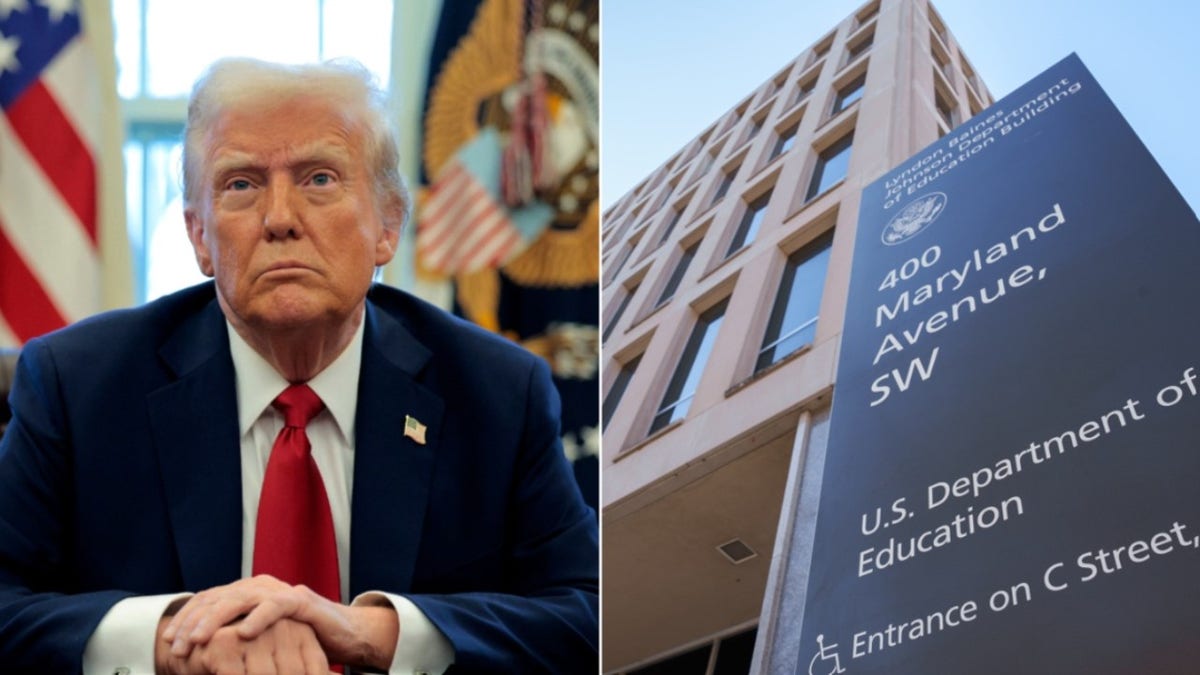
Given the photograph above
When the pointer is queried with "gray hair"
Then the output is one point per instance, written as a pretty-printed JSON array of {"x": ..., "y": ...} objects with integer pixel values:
[{"x": 231, "y": 82}]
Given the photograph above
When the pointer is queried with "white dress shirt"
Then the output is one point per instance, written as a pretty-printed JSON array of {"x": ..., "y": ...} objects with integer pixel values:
[{"x": 123, "y": 642}]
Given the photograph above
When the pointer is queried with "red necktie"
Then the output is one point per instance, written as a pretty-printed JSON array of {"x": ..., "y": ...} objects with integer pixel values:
[{"x": 293, "y": 539}]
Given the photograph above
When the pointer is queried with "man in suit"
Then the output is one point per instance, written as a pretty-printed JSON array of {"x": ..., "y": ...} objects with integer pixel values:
[{"x": 142, "y": 525}]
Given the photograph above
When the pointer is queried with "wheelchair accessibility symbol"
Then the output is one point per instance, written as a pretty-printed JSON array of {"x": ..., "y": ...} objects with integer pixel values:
[{"x": 825, "y": 653}]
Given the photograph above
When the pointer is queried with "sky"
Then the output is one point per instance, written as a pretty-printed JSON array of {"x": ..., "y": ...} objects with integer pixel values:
[{"x": 672, "y": 67}]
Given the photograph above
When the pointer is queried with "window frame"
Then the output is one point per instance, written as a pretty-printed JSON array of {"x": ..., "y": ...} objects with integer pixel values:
[
  {"x": 727, "y": 178},
  {"x": 848, "y": 94},
  {"x": 860, "y": 46},
  {"x": 824, "y": 157},
  {"x": 619, "y": 386},
  {"x": 621, "y": 307},
  {"x": 785, "y": 141},
  {"x": 707, "y": 323},
  {"x": 677, "y": 273},
  {"x": 774, "y": 335},
  {"x": 750, "y": 223}
]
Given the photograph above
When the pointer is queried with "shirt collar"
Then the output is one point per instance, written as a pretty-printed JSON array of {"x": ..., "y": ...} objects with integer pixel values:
[{"x": 258, "y": 383}]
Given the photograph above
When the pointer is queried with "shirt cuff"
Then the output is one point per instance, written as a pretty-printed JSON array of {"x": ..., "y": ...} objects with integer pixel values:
[
  {"x": 123, "y": 642},
  {"x": 421, "y": 649}
]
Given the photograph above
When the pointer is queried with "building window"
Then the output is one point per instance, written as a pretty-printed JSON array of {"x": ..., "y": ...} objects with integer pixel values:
[
  {"x": 941, "y": 59},
  {"x": 676, "y": 276},
  {"x": 751, "y": 220},
  {"x": 939, "y": 28},
  {"x": 793, "y": 322},
  {"x": 860, "y": 47},
  {"x": 676, "y": 215},
  {"x": 613, "y": 399},
  {"x": 681, "y": 389},
  {"x": 726, "y": 181},
  {"x": 623, "y": 257},
  {"x": 777, "y": 83},
  {"x": 946, "y": 110},
  {"x": 867, "y": 14},
  {"x": 968, "y": 74},
  {"x": 787, "y": 138},
  {"x": 755, "y": 127},
  {"x": 973, "y": 104},
  {"x": 831, "y": 167},
  {"x": 806, "y": 88},
  {"x": 849, "y": 93},
  {"x": 706, "y": 163},
  {"x": 823, "y": 48},
  {"x": 616, "y": 317}
]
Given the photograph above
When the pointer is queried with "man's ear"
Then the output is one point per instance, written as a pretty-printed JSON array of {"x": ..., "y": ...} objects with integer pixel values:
[
  {"x": 196, "y": 230},
  {"x": 391, "y": 217},
  {"x": 385, "y": 246}
]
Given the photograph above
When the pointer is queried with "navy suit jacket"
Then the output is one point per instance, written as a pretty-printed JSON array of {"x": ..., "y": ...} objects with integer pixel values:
[{"x": 119, "y": 476}]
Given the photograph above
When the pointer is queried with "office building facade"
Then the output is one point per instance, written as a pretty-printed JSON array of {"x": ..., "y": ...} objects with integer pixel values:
[{"x": 724, "y": 289}]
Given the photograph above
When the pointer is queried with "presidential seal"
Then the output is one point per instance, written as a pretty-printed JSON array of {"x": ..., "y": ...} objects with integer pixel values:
[{"x": 913, "y": 218}]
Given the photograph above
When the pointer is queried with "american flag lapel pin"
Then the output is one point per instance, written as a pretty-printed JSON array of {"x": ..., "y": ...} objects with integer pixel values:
[{"x": 414, "y": 429}]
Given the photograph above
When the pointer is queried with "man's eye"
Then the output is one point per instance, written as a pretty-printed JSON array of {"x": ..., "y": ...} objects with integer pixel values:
[
  {"x": 239, "y": 184},
  {"x": 322, "y": 179}
]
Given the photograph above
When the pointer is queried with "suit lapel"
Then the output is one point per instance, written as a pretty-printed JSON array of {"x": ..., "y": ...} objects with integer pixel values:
[
  {"x": 392, "y": 472},
  {"x": 194, "y": 423}
]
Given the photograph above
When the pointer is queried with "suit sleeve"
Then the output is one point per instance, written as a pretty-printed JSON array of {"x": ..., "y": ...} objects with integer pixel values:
[
  {"x": 43, "y": 627},
  {"x": 546, "y": 621}
]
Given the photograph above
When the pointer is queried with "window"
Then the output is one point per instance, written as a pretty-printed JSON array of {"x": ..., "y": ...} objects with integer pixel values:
[
  {"x": 161, "y": 48},
  {"x": 777, "y": 83},
  {"x": 618, "y": 390},
  {"x": 973, "y": 104},
  {"x": 706, "y": 163},
  {"x": 867, "y": 13},
  {"x": 941, "y": 59},
  {"x": 726, "y": 181},
  {"x": 676, "y": 276},
  {"x": 939, "y": 28},
  {"x": 806, "y": 88},
  {"x": 968, "y": 71},
  {"x": 738, "y": 113},
  {"x": 793, "y": 320},
  {"x": 849, "y": 93},
  {"x": 678, "y": 397},
  {"x": 623, "y": 257},
  {"x": 751, "y": 220},
  {"x": 946, "y": 110},
  {"x": 968, "y": 74},
  {"x": 822, "y": 48},
  {"x": 860, "y": 47},
  {"x": 676, "y": 214},
  {"x": 787, "y": 138},
  {"x": 755, "y": 127},
  {"x": 831, "y": 167},
  {"x": 616, "y": 317}
]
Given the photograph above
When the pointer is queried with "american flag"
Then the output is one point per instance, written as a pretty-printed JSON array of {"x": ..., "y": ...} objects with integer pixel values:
[
  {"x": 463, "y": 228},
  {"x": 50, "y": 134},
  {"x": 464, "y": 225}
]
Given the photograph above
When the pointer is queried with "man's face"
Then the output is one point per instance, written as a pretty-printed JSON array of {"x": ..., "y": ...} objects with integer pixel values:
[{"x": 286, "y": 219}]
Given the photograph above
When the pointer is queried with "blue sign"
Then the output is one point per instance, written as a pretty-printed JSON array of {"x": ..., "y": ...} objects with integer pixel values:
[{"x": 1012, "y": 481}]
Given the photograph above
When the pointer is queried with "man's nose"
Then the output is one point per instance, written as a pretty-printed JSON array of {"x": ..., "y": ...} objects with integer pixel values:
[{"x": 281, "y": 219}]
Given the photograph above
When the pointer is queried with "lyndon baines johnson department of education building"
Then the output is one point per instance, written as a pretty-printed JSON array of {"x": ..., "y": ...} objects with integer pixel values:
[{"x": 724, "y": 289}]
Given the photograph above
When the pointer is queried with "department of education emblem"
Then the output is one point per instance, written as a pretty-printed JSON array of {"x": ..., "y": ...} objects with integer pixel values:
[{"x": 913, "y": 218}]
